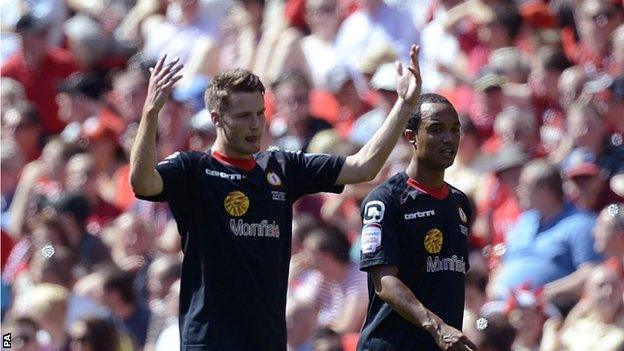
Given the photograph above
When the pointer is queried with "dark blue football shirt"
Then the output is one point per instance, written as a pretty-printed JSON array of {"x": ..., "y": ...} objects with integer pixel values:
[
  {"x": 236, "y": 237},
  {"x": 425, "y": 236}
]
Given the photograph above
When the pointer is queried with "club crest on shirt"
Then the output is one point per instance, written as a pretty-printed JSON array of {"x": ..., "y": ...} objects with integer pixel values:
[
  {"x": 462, "y": 214},
  {"x": 273, "y": 179},
  {"x": 371, "y": 238},
  {"x": 236, "y": 203},
  {"x": 433, "y": 241}
]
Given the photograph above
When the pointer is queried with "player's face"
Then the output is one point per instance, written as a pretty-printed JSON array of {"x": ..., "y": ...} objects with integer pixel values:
[
  {"x": 242, "y": 124},
  {"x": 437, "y": 139}
]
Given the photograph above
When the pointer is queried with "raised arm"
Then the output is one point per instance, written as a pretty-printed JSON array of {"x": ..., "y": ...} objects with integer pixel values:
[
  {"x": 144, "y": 178},
  {"x": 396, "y": 294},
  {"x": 366, "y": 163}
]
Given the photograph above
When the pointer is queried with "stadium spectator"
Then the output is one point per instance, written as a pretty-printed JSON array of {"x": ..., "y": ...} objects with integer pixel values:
[
  {"x": 383, "y": 83},
  {"x": 40, "y": 67},
  {"x": 375, "y": 22},
  {"x": 293, "y": 127},
  {"x": 81, "y": 176},
  {"x": 319, "y": 47},
  {"x": 609, "y": 231},
  {"x": 23, "y": 333},
  {"x": 95, "y": 334},
  {"x": 72, "y": 211},
  {"x": 24, "y": 127},
  {"x": 586, "y": 183},
  {"x": 597, "y": 321},
  {"x": 47, "y": 305},
  {"x": 120, "y": 298},
  {"x": 337, "y": 289},
  {"x": 550, "y": 245}
]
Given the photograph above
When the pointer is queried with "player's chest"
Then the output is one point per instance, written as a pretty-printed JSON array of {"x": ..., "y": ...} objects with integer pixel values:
[
  {"x": 234, "y": 194},
  {"x": 432, "y": 227}
]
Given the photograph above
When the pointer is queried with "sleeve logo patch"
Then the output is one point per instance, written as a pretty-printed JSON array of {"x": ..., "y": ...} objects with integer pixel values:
[
  {"x": 374, "y": 212},
  {"x": 371, "y": 238}
]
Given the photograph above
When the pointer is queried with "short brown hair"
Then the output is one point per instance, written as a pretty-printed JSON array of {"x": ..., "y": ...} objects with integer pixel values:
[{"x": 239, "y": 80}]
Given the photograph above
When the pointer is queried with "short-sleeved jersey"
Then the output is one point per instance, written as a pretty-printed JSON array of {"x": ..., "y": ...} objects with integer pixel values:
[
  {"x": 236, "y": 236},
  {"x": 425, "y": 236}
]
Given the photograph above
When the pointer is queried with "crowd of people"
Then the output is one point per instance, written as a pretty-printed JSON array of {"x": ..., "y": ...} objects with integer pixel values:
[{"x": 538, "y": 85}]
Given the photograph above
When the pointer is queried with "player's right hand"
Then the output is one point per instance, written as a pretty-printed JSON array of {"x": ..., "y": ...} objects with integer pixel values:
[
  {"x": 162, "y": 78},
  {"x": 451, "y": 339},
  {"x": 409, "y": 82}
]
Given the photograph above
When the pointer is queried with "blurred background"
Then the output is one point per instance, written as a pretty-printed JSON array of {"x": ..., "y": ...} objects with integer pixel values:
[{"x": 539, "y": 87}]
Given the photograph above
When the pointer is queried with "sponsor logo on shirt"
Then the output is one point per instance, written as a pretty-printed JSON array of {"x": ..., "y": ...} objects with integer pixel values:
[
  {"x": 454, "y": 264},
  {"x": 230, "y": 176},
  {"x": 262, "y": 229},
  {"x": 371, "y": 238},
  {"x": 463, "y": 229},
  {"x": 236, "y": 203},
  {"x": 273, "y": 179},
  {"x": 421, "y": 214},
  {"x": 433, "y": 241},
  {"x": 278, "y": 195},
  {"x": 462, "y": 214},
  {"x": 374, "y": 212}
]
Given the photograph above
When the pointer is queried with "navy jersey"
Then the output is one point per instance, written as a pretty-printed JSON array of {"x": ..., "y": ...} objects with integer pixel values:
[
  {"x": 236, "y": 237},
  {"x": 425, "y": 237}
]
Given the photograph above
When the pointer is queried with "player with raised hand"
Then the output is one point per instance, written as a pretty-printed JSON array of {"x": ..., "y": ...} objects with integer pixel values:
[
  {"x": 233, "y": 204},
  {"x": 414, "y": 243}
]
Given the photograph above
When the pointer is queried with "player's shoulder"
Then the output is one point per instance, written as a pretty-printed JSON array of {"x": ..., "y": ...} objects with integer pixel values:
[
  {"x": 456, "y": 192},
  {"x": 390, "y": 189},
  {"x": 184, "y": 158}
]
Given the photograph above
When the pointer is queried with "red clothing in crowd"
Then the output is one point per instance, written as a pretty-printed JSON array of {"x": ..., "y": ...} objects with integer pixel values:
[{"x": 41, "y": 83}]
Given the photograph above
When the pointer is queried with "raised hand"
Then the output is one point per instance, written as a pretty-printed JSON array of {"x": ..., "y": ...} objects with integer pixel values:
[
  {"x": 409, "y": 83},
  {"x": 162, "y": 78}
]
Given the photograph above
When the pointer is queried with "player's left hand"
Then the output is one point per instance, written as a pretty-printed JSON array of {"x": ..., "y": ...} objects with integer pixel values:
[
  {"x": 409, "y": 83},
  {"x": 451, "y": 339}
]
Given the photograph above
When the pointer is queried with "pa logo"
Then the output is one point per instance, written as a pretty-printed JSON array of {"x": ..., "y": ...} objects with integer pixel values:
[{"x": 6, "y": 341}]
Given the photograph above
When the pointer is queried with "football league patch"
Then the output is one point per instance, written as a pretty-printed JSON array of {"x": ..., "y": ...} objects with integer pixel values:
[{"x": 371, "y": 238}]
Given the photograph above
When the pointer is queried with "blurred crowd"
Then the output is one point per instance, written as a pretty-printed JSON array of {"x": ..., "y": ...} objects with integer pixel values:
[{"x": 539, "y": 87}]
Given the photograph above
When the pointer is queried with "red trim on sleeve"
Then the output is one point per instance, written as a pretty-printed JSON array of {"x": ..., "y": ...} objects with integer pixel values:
[
  {"x": 246, "y": 164},
  {"x": 439, "y": 193}
]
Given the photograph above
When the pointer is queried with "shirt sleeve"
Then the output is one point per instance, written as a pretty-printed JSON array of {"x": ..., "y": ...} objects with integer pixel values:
[
  {"x": 380, "y": 232},
  {"x": 313, "y": 173},
  {"x": 176, "y": 172}
]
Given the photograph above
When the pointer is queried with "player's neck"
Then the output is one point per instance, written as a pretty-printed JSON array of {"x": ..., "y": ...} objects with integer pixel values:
[
  {"x": 424, "y": 175},
  {"x": 220, "y": 147}
]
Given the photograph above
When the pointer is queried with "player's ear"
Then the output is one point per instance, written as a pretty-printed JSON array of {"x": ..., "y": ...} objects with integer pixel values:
[
  {"x": 216, "y": 118},
  {"x": 410, "y": 135}
]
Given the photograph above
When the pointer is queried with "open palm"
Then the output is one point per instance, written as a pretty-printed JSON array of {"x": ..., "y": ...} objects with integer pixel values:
[
  {"x": 162, "y": 78},
  {"x": 409, "y": 82}
]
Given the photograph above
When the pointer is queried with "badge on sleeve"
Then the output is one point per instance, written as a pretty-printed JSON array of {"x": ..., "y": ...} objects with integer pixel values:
[
  {"x": 374, "y": 212},
  {"x": 371, "y": 238}
]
